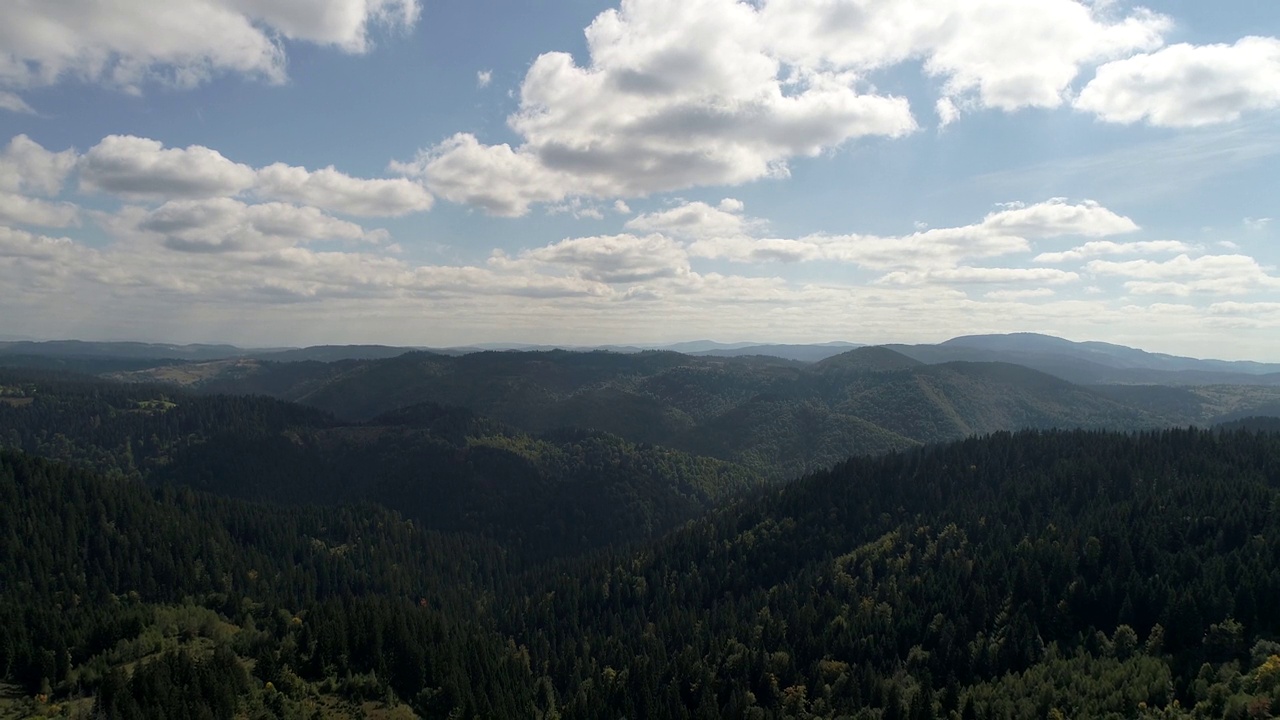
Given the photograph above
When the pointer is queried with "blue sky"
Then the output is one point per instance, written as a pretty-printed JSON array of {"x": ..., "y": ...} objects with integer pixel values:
[{"x": 283, "y": 172}]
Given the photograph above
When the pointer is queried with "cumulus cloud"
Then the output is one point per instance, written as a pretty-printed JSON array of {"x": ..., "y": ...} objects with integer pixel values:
[
  {"x": 1099, "y": 248},
  {"x": 492, "y": 177},
  {"x": 137, "y": 286},
  {"x": 226, "y": 225},
  {"x": 980, "y": 275},
  {"x": 22, "y": 245},
  {"x": 125, "y": 43},
  {"x": 1187, "y": 85},
  {"x": 947, "y": 111},
  {"x": 141, "y": 168},
  {"x": 697, "y": 221},
  {"x": 1184, "y": 275},
  {"x": 1018, "y": 295},
  {"x": 1057, "y": 217},
  {"x": 22, "y": 210},
  {"x": 26, "y": 167},
  {"x": 483, "y": 78},
  {"x": 1260, "y": 315},
  {"x": 1007, "y": 54},
  {"x": 137, "y": 168},
  {"x": 614, "y": 258},
  {"x": 1003, "y": 232},
  {"x": 335, "y": 191},
  {"x": 679, "y": 93},
  {"x": 578, "y": 208},
  {"x": 675, "y": 95}
]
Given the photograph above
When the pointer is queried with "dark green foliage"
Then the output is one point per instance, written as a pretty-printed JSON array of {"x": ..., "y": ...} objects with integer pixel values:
[
  {"x": 445, "y": 467},
  {"x": 85, "y": 559},
  {"x": 175, "y": 686},
  {"x": 1256, "y": 424},
  {"x": 779, "y": 418},
  {"x": 975, "y": 560},
  {"x": 1030, "y": 574}
]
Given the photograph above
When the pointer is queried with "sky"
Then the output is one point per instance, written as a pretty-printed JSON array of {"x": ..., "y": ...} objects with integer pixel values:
[{"x": 448, "y": 172}]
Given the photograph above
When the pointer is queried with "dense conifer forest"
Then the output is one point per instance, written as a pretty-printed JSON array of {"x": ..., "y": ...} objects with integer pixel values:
[{"x": 164, "y": 554}]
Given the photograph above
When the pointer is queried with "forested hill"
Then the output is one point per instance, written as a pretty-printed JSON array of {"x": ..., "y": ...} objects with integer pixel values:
[
  {"x": 123, "y": 602},
  {"x": 781, "y": 418},
  {"x": 553, "y": 494},
  {"x": 1035, "y": 574},
  {"x": 1091, "y": 574}
]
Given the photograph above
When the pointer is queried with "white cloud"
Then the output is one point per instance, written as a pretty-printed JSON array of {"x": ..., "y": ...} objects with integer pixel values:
[
  {"x": 1057, "y": 217},
  {"x": 621, "y": 207},
  {"x": 731, "y": 205},
  {"x": 143, "y": 169},
  {"x": 1256, "y": 315},
  {"x": 697, "y": 221},
  {"x": 1187, "y": 85},
  {"x": 675, "y": 94},
  {"x": 1003, "y": 232},
  {"x": 125, "y": 43},
  {"x": 1183, "y": 275},
  {"x": 140, "y": 168},
  {"x": 483, "y": 78},
  {"x": 980, "y": 275},
  {"x": 26, "y": 167},
  {"x": 21, "y": 245},
  {"x": 1100, "y": 248},
  {"x": 22, "y": 210},
  {"x": 1016, "y": 295},
  {"x": 614, "y": 258},
  {"x": 300, "y": 294},
  {"x": 492, "y": 177},
  {"x": 11, "y": 102},
  {"x": 1257, "y": 224},
  {"x": 221, "y": 225},
  {"x": 335, "y": 191},
  {"x": 577, "y": 208},
  {"x": 1008, "y": 54},
  {"x": 947, "y": 111},
  {"x": 685, "y": 93}
]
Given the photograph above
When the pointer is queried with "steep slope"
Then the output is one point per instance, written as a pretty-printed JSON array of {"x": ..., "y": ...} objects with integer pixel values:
[
  {"x": 1079, "y": 574},
  {"x": 789, "y": 437},
  {"x": 157, "y": 602}
]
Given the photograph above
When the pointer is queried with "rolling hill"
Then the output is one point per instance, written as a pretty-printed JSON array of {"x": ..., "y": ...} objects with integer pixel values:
[
  {"x": 781, "y": 418},
  {"x": 1094, "y": 363},
  {"x": 562, "y": 493}
]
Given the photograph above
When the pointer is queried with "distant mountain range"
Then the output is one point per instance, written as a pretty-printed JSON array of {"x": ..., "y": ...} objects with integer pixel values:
[
  {"x": 1094, "y": 363},
  {"x": 1086, "y": 363},
  {"x": 779, "y": 417}
]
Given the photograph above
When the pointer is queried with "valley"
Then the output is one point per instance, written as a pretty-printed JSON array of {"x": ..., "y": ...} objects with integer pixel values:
[{"x": 644, "y": 534}]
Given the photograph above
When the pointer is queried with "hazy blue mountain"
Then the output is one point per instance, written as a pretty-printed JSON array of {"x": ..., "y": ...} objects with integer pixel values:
[
  {"x": 330, "y": 353},
  {"x": 779, "y": 417},
  {"x": 803, "y": 353},
  {"x": 134, "y": 350},
  {"x": 1093, "y": 363}
]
